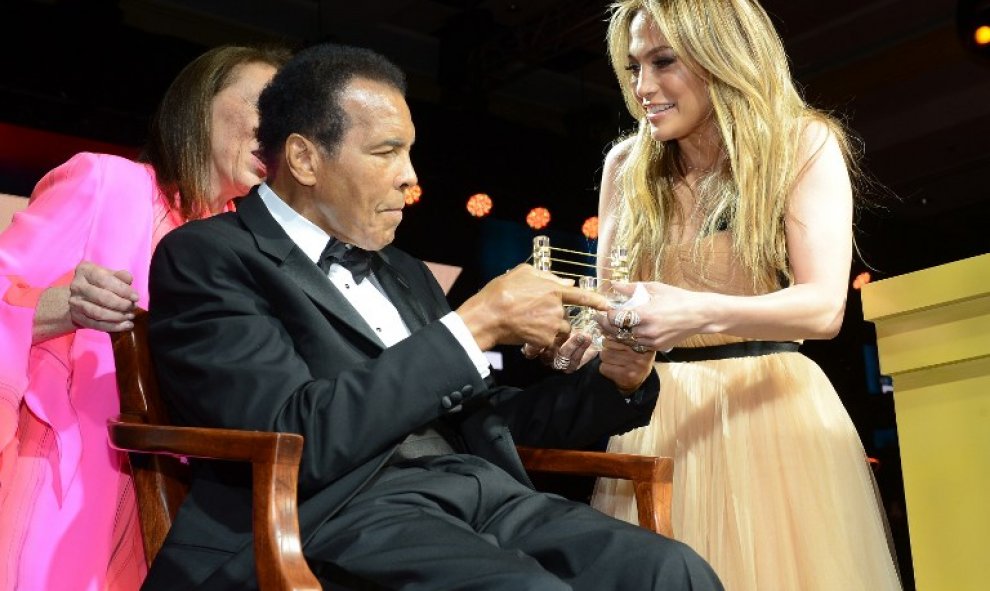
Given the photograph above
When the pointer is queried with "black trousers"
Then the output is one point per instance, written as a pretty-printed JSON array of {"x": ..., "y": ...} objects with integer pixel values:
[{"x": 458, "y": 522}]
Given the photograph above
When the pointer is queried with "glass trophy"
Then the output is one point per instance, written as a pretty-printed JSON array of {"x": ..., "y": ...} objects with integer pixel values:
[{"x": 552, "y": 259}]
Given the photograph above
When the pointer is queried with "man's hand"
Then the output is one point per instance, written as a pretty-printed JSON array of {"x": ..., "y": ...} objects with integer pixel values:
[
  {"x": 625, "y": 367},
  {"x": 524, "y": 306},
  {"x": 568, "y": 354}
]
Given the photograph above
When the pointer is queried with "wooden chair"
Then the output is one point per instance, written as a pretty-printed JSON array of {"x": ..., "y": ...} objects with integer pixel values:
[{"x": 161, "y": 478}]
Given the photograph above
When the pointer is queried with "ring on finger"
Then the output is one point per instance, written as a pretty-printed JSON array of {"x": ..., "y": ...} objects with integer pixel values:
[
  {"x": 619, "y": 320},
  {"x": 561, "y": 361},
  {"x": 526, "y": 351},
  {"x": 639, "y": 348},
  {"x": 632, "y": 319}
]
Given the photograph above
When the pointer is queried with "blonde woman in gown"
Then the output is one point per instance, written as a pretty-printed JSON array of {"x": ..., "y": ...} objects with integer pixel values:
[
  {"x": 735, "y": 203},
  {"x": 771, "y": 484}
]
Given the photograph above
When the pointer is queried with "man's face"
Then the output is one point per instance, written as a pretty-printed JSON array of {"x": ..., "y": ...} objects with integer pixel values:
[{"x": 361, "y": 189}]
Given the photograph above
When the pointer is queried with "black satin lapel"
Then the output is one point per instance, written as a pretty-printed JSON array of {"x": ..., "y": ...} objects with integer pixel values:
[
  {"x": 304, "y": 273},
  {"x": 397, "y": 289},
  {"x": 268, "y": 235}
]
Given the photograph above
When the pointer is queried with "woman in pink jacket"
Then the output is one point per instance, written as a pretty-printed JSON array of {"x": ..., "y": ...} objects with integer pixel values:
[{"x": 73, "y": 265}]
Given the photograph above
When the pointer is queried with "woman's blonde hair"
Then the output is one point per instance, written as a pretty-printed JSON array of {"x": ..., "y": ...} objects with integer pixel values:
[{"x": 759, "y": 117}]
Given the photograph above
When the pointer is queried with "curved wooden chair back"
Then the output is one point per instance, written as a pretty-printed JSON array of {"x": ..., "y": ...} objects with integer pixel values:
[
  {"x": 161, "y": 478},
  {"x": 160, "y": 481}
]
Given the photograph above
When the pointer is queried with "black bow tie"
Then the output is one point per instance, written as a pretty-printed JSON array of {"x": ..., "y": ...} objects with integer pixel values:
[{"x": 354, "y": 259}]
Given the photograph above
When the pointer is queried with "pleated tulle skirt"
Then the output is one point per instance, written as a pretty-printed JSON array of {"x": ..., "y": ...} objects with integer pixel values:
[{"x": 771, "y": 482}]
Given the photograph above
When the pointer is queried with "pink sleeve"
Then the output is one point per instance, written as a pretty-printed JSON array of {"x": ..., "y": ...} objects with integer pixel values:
[
  {"x": 15, "y": 323},
  {"x": 72, "y": 216},
  {"x": 46, "y": 239},
  {"x": 38, "y": 247}
]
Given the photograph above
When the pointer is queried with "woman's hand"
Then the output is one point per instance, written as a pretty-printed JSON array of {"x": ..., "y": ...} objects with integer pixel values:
[
  {"x": 97, "y": 298},
  {"x": 669, "y": 316},
  {"x": 101, "y": 299}
]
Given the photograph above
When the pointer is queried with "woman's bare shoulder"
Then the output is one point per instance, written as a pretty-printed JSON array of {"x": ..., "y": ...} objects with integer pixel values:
[{"x": 619, "y": 152}]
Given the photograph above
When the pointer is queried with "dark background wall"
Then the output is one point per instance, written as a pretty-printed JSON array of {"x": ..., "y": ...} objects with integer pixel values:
[{"x": 515, "y": 99}]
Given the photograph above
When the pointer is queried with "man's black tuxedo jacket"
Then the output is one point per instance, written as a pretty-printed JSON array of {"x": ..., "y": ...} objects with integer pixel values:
[{"x": 247, "y": 333}]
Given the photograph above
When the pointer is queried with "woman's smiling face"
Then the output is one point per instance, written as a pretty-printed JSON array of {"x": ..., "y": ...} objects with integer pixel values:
[{"x": 675, "y": 100}]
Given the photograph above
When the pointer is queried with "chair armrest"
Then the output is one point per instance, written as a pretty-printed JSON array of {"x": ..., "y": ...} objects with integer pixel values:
[
  {"x": 651, "y": 477},
  {"x": 274, "y": 461},
  {"x": 207, "y": 443}
]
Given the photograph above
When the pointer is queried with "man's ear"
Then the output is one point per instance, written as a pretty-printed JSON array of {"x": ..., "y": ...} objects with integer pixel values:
[{"x": 303, "y": 159}]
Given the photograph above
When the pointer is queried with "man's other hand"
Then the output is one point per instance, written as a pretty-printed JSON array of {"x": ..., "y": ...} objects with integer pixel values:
[{"x": 524, "y": 306}]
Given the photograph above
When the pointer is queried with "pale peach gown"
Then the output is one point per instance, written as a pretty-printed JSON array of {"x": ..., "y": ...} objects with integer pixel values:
[{"x": 771, "y": 483}]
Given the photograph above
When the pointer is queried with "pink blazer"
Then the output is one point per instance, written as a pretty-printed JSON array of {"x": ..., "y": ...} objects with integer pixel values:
[{"x": 67, "y": 518}]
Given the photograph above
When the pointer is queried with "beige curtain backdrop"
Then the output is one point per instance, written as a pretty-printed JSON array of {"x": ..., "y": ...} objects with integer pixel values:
[{"x": 8, "y": 205}]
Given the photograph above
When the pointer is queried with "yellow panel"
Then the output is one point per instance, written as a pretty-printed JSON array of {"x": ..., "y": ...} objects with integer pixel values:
[
  {"x": 944, "y": 433},
  {"x": 934, "y": 343},
  {"x": 933, "y": 336},
  {"x": 942, "y": 375},
  {"x": 960, "y": 280}
]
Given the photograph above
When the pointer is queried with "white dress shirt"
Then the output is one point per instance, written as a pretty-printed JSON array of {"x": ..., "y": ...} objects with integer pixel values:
[{"x": 366, "y": 297}]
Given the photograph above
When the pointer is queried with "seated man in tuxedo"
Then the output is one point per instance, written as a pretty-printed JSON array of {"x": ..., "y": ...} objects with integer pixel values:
[{"x": 294, "y": 314}]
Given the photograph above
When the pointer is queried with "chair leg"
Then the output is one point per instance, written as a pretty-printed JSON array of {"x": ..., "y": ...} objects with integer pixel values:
[
  {"x": 653, "y": 506},
  {"x": 279, "y": 535}
]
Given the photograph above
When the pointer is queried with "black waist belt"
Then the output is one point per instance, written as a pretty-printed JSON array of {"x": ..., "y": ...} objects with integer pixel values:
[{"x": 726, "y": 351}]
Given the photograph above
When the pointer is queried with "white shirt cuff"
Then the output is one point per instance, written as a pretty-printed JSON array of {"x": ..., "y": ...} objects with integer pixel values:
[{"x": 456, "y": 326}]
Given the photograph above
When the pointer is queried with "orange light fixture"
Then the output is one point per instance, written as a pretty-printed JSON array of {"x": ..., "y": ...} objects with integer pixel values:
[
  {"x": 538, "y": 218},
  {"x": 413, "y": 194},
  {"x": 479, "y": 205},
  {"x": 982, "y": 35},
  {"x": 590, "y": 228},
  {"x": 861, "y": 280}
]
